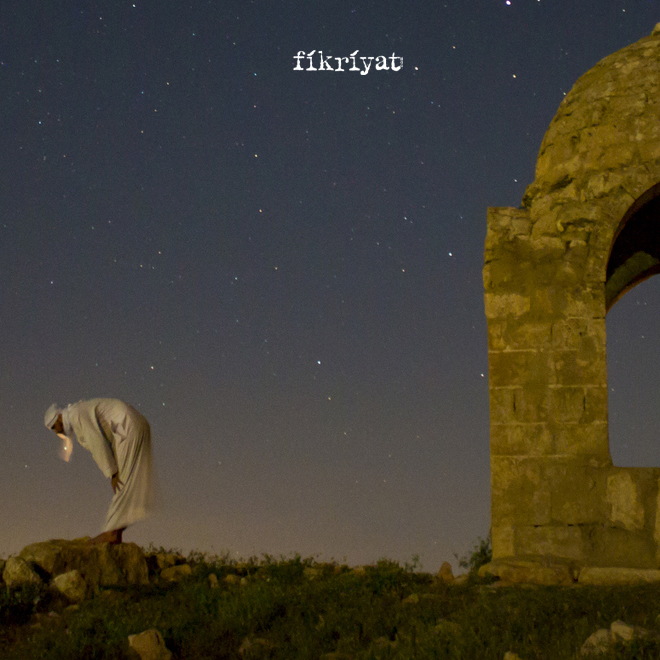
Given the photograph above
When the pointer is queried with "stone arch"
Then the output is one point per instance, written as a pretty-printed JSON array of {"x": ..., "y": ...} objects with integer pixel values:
[
  {"x": 553, "y": 267},
  {"x": 635, "y": 254}
]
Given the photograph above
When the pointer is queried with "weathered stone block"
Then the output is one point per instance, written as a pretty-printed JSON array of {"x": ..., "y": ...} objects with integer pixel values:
[
  {"x": 566, "y": 332},
  {"x": 508, "y": 269},
  {"x": 596, "y": 404},
  {"x": 614, "y": 576},
  {"x": 591, "y": 303},
  {"x": 588, "y": 440},
  {"x": 613, "y": 546},
  {"x": 515, "y": 571},
  {"x": 518, "y": 493},
  {"x": 577, "y": 494},
  {"x": 561, "y": 541},
  {"x": 605, "y": 135},
  {"x": 519, "y": 405},
  {"x": 617, "y": 156},
  {"x": 519, "y": 367},
  {"x": 583, "y": 367},
  {"x": 507, "y": 304},
  {"x": 569, "y": 275},
  {"x": 502, "y": 409},
  {"x": 656, "y": 526},
  {"x": 506, "y": 222},
  {"x": 530, "y": 404},
  {"x": 520, "y": 440},
  {"x": 502, "y": 540},
  {"x": 511, "y": 335},
  {"x": 577, "y": 249},
  {"x": 624, "y": 498},
  {"x": 603, "y": 183},
  {"x": 649, "y": 149},
  {"x": 578, "y": 404},
  {"x": 568, "y": 404}
]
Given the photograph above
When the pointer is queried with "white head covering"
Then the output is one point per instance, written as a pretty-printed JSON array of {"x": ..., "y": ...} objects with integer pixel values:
[{"x": 51, "y": 415}]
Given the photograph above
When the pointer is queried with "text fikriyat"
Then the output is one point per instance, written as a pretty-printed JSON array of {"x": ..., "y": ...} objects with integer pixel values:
[{"x": 324, "y": 62}]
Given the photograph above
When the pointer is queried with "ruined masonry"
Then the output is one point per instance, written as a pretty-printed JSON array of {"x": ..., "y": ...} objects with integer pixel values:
[{"x": 587, "y": 232}]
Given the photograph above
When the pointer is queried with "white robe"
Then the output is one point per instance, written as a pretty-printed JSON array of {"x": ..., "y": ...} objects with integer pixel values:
[{"x": 119, "y": 439}]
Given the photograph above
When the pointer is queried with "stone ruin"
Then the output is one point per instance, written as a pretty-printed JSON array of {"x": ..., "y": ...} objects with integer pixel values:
[{"x": 587, "y": 232}]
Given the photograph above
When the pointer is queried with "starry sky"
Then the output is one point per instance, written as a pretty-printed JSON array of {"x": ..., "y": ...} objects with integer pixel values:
[{"x": 280, "y": 269}]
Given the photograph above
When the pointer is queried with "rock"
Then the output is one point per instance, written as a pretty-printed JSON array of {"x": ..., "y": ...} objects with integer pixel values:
[
  {"x": 160, "y": 560},
  {"x": 510, "y": 655},
  {"x": 213, "y": 581},
  {"x": 444, "y": 627},
  {"x": 603, "y": 641},
  {"x": 102, "y": 565},
  {"x": 43, "y": 619},
  {"x": 383, "y": 643},
  {"x": 18, "y": 572},
  {"x": 71, "y": 584},
  {"x": 445, "y": 574},
  {"x": 255, "y": 647},
  {"x": 176, "y": 573},
  {"x": 489, "y": 570},
  {"x": 624, "y": 631},
  {"x": 599, "y": 643},
  {"x": 232, "y": 579},
  {"x": 612, "y": 576},
  {"x": 413, "y": 599},
  {"x": 167, "y": 559},
  {"x": 627, "y": 633},
  {"x": 149, "y": 645}
]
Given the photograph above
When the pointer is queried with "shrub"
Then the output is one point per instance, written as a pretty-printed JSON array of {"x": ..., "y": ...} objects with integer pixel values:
[{"x": 482, "y": 553}]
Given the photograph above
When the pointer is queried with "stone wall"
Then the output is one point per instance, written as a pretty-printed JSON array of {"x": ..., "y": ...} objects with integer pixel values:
[{"x": 554, "y": 490}]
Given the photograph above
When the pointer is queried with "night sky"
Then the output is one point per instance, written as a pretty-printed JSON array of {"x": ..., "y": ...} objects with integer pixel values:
[{"x": 280, "y": 269}]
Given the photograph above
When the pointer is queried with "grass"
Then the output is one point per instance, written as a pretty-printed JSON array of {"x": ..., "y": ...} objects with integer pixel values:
[{"x": 299, "y": 609}]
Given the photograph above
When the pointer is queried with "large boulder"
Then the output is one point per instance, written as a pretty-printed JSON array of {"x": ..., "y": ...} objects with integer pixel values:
[
  {"x": 103, "y": 564},
  {"x": 18, "y": 572}
]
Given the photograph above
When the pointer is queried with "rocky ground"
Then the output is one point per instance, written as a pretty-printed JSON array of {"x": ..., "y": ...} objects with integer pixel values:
[{"x": 74, "y": 571}]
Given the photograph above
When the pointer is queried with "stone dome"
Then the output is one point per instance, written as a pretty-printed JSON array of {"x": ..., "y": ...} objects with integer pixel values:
[{"x": 603, "y": 145}]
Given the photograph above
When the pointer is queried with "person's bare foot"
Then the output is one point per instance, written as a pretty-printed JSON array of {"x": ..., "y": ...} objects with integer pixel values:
[{"x": 113, "y": 537}]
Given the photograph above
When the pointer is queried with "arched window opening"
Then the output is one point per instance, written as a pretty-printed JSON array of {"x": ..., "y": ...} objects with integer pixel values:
[{"x": 633, "y": 376}]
